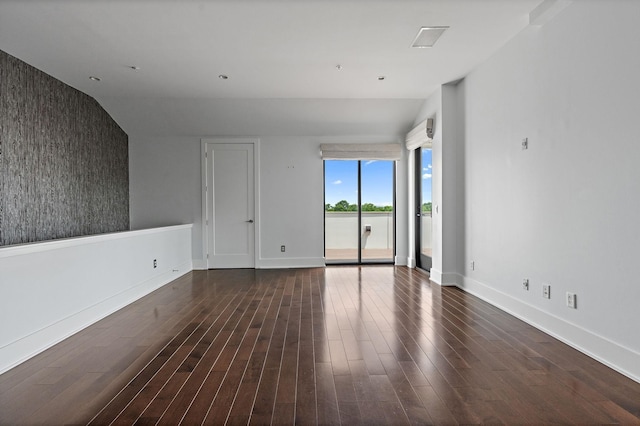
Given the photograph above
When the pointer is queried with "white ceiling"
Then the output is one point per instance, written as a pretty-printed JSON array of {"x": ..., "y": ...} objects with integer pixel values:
[{"x": 280, "y": 57}]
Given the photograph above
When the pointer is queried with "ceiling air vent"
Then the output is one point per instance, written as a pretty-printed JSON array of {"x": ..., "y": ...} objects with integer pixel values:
[{"x": 427, "y": 37}]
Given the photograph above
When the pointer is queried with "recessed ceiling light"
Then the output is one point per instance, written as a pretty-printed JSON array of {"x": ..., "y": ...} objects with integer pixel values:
[
  {"x": 223, "y": 77},
  {"x": 381, "y": 77},
  {"x": 339, "y": 67},
  {"x": 94, "y": 78},
  {"x": 427, "y": 37}
]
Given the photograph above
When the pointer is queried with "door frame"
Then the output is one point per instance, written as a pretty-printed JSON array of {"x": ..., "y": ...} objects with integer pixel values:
[
  {"x": 359, "y": 261},
  {"x": 421, "y": 259},
  {"x": 204, "y": 144}
]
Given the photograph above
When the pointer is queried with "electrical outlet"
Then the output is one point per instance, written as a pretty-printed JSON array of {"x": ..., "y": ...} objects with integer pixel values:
[
  {"x": 473, "y": 265},
  {"x": 572, "y": 300},
  {"x": 525, "y": 143},
  {"x": 546, "y": 291},
  {"x": 155, "y": 263},
  {"x": 525, "y": 284},
  {"x": 282, "y": 248}
]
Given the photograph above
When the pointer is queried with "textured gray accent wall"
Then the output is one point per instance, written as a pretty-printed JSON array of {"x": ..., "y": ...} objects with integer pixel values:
[{"x": 64, "y": 166}]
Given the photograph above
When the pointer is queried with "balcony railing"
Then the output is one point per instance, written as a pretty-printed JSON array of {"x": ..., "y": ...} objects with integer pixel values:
[{"x": 376, "y": 234}]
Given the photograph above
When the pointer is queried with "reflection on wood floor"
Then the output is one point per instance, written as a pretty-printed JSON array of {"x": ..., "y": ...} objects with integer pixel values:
[{"x": 341, "y": 345}]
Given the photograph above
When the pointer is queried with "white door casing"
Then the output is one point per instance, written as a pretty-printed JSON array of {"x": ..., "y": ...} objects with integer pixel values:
[{"x": 229, "y": 203}]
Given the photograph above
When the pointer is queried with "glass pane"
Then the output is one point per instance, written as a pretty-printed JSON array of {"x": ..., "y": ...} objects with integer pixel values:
[
  {"x": 341, "y": 211},
  {"x": 426, "y": 202},
  {"x": 377, "y": 211}
]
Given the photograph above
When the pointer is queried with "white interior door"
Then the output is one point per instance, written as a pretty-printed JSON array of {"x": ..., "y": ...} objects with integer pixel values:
[{"x": 230, "y": 205}]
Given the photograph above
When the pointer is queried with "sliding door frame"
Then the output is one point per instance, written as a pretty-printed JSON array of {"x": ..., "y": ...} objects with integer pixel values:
[
  {"x": 422, "y": 261},
  {"x": 359, "y": 261}
]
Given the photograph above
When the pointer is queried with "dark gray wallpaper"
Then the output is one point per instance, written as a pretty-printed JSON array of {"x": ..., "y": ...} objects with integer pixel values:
[{"x": 64, "y": 168}]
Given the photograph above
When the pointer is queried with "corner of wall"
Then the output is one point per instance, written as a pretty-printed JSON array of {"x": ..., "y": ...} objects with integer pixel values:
[
  {"x": 446, "y": 279},
  {"x": 199, "y": 265},
  {"x": 403, "y": 261}
]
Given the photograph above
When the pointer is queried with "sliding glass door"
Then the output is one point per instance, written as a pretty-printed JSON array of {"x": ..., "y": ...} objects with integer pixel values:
[
  {"x": 359, "y": 211},
  {"x": 341, "y": 212},
  {"x": 377, "y": 211},
  {"x": 423, "y": 208}
]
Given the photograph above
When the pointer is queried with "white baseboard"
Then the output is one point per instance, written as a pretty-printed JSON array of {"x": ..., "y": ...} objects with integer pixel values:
[
  {"x": 451, "y": 279},
  {"x": 445, "y": 279},
  {"x": 291, "y": 262},
  {"x": 624, "y": 360},
  {"x": 435, "y": 276},
  {"x": 28, "y": 346}
]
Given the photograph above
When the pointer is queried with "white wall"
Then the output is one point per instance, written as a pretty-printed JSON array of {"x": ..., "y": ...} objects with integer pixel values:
[
  {"x": 566, "y": 211},
  {"x": 165, "y": 187},
  {"x": 451, "y": 214},
  {"x": 53, "y": 289},
  {"x": 165, "y": 184},
  {"x": 291, "y": 202}
]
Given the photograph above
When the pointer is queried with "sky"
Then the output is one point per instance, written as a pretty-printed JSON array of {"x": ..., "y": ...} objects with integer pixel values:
[
  {"x": 427, "y": 171},
  {"x": 341, "y": 181}
]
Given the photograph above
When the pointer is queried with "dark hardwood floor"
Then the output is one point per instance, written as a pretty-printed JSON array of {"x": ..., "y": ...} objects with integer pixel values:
[{"x": 341, "y": 345}]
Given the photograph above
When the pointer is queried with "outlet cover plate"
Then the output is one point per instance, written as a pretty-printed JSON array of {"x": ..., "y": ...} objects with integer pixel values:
[{"x": 546, "y": 291}]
